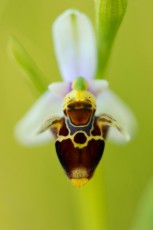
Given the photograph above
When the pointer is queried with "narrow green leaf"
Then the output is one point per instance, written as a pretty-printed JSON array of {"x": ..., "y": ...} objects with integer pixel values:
[
  {"x": 25, "y": 62},
  {"x": 109, "y": 14}
]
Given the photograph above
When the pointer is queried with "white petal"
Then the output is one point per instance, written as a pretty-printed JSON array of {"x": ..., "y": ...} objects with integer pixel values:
[
  {"x": 75, "y": 45},
  {"x": 94, "y": 86},
  {"x": 26, "y": 130},
  {"x": 97, "y": 86},
  {"x": 60, "y": 88},
  {"x": 109, "y": 102}
]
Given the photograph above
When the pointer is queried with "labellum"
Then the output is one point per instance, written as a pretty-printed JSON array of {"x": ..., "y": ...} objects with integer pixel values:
[{"x": 79, "y": 134}]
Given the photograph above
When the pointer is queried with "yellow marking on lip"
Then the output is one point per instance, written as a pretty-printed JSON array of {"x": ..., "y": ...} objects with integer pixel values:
[
  {"x": 79, "y": 182},
  {"x": 78, "y": 145},
  {"x": 79, "y": 95}
]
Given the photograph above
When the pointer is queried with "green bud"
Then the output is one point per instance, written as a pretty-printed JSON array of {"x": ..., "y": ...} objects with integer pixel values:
[{"x": 109, "y": 14}]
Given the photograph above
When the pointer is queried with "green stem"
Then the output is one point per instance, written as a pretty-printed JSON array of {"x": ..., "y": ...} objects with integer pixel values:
[
  {"x": 109, "y": 14},
  {"x": 92, "y": 205}
]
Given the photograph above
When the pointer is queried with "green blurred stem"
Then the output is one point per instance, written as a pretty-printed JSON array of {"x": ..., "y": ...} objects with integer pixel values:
[
  {"x": 144, "y": 214},
  {"x": 93, "y": 205},
  {"x": 25, "y": 62},
  {"x": 109, "y": 14}
]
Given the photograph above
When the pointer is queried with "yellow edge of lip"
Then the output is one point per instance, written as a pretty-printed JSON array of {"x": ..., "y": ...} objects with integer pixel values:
[{"x": 79, "y": 182}]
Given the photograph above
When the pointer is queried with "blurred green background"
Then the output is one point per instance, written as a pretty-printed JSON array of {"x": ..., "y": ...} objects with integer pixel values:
[{"x": 34, "y": 192}]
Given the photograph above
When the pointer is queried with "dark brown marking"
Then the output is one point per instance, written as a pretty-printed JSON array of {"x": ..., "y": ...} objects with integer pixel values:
[
  {"x": 73, "y": 158},
  {"x": 63, "y": 131},
  {"x": 79, "y": 105},
  {"x": 79, "y": 112},
  {"x": 105, "y": 130},
  {"x": 79, "y": 116},
  {"x": 96, "y": 130},
  {"x": 80, "y": 138}
]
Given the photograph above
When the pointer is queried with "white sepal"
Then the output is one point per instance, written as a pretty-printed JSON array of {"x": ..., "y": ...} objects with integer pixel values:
[
  {"x": 109, "y": 102},
  {"x": 96, "y": 87},
  {"x": 75, "y": 45},
  {"x": 26, "y": 130},
  {"x": 60, "y": 88}
]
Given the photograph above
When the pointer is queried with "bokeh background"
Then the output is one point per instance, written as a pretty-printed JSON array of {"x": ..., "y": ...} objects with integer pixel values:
[{"x": 34, "y": 192}]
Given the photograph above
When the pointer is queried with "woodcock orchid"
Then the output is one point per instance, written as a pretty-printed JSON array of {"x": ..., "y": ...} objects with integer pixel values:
[{"x": 80, "y": 113}]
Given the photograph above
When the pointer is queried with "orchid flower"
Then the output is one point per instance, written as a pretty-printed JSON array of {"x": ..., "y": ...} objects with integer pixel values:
[{"x": 77, "y": 100}]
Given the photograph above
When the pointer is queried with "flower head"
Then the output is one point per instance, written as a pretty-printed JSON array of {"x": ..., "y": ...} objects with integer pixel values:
[{"x": 74, "y": 112}]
